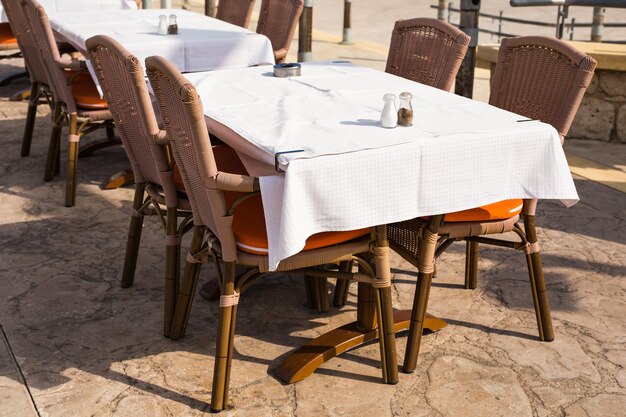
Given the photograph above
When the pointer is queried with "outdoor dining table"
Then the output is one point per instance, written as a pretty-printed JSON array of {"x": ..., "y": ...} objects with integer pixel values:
[
  {"x": 326, "y": 164},
  {"x": 202, "y": 43},
  {"x": 64, "y": 6}
]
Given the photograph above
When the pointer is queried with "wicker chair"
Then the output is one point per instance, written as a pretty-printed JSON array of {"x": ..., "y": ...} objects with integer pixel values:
[
  {"x": 123, "y": 83},
  {"x": 77, "y": 102},
  {"x": 230, "y": 228},
  {"x": 40, "y": 91},
  {"x": 428, "y": 51},
  {"x": 237, "y": 12},
  {"x": 560, "y": 77},
  {"x": 277, "y": 21}
]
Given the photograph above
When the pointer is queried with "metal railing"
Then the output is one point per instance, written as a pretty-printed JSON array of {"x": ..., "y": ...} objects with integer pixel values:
[{"x": 561, "y": 26}]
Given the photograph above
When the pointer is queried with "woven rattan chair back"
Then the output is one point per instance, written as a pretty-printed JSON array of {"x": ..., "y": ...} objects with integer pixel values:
[
  {"x": 19, "y": 27},
  {"x": 428, "y": 51},
  {"x": 122, "y": 80},
  {"x": 184, "y": 122},
  {"x": 124, "y": 86},
  {"x": 237, "y": 12},
  {"x": 39, "y": 26},
  {"x": 277, "y": 21},
  {"x": 541, "y": 78}
]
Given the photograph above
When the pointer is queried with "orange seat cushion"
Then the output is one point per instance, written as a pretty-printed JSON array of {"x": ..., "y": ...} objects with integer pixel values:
[
  {"x": 251, "y": 236},
  {"x": 6, "y": 36},
  {"x": 85, "y": 92},
  {"x": 249, "y": 221},
  {"x": 496, "y": 211}
]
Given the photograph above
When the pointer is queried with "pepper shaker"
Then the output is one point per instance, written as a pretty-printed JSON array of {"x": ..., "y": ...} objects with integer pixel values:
[
  {"x": 405, "y": 113},
  {"x": 389, "y": 115},
  {"x": 172, "y": 29}
]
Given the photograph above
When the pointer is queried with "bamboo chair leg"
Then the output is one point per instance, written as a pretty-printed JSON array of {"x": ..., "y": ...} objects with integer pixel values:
[
  {"x": 134, "y": 238},
  {"x": 420, "y": 305},
  {"x": 315, "y": 291},
  {"x": 323, "y": 303},
  {"x": 224, "y": 349},
  {"x": 72, "y": 159},
  {"x": 308, "y": 287},
  {"x": 471, "y": 265},
  {"x": 31, "y": 115},
  {"x": 57, "y": 161},
  {"x": 110, "y": 130},
  {"x": 538, "y": 284},
  {"x": 172, "y": 244},
  {"x": 340, "y": 296},
  {"x": 341, "y": 293},
  {"x": 187, "y": 288},
  {"x": 387, "y": 336},
  {"x": 54, "y": 145},
  {"x": 384, "y": 309}
]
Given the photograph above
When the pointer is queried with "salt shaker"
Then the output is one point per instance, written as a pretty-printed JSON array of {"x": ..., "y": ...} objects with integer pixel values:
[
  {"x": 389, "y": 115},
  {"x": 162, "y": 25},
  {"x": 172, "y": 29},
  {"x": 405, "y": 113}
]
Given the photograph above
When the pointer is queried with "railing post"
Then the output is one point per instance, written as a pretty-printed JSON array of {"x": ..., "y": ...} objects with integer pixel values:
[
  {"x": 442, "y": 10},
  {"x": 562, "y": 13},
  {"x": 305, "y": 35},
  {"x": 468, "y": 23},
  {"x": 210, "y": 8},
  {"x": 166, "y": 4},
  {"x": 146, "y": 4},
  {"x": 597, "y": 24},
  {"x": 347, "y": 38}
]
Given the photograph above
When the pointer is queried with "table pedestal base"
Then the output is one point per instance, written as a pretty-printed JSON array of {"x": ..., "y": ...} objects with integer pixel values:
[{"x": 304, "y": 361}]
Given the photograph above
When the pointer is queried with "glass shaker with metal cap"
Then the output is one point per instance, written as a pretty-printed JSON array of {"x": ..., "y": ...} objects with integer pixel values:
[
  {"x": 405, "y": 112},
  {"x": 162, "y": 28},
  {"x": 172, "y": 29},
  {"x": 389, "y": 115}
]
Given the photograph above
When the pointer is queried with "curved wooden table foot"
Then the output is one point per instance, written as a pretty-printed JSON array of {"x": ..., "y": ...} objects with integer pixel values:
[
  {"x": 304, "y": 361},
  {"x": 119, "y": 179}
]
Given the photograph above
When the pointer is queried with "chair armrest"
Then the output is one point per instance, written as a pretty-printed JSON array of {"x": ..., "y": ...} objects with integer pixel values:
[
  {"x": 235, "y": 182},
  {"x": 72, "y": 64},
  {"x": 280, "y": 55},
  {"x": 160, "y": 138}
]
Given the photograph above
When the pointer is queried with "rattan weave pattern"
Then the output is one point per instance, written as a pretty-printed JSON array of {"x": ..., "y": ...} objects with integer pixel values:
[
  {"x": 428, "y": 51},
  {"x": 117, "y": 72},
  {"x": 49, "y": 52},
  {"x": 36, "y": 71},
  {"x": 540, "y": 77},
  {"x": 277, "y": 21},
  {"x": 237, "y": 12},
  {"x": 404, "y": 238},
  {"x": 173, "y": 97}
]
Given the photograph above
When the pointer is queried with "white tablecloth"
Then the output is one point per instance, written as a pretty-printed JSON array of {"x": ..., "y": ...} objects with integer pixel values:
[
  {"x": 63, "y": 6},
  {"x": 352, "y": 173},
  {"x": 202, "y": 43}
]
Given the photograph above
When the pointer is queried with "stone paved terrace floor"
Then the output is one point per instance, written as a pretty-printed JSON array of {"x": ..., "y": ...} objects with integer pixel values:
[{"x": 73, "y": 343}]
